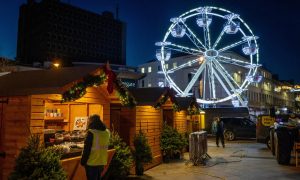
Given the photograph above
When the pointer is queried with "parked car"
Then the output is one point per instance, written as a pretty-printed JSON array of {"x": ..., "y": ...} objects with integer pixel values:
[{"x": 238, "y": 127}]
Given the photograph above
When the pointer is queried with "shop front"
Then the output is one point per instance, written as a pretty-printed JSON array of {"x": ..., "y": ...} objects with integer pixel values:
[{"x": 56, "y": 105}]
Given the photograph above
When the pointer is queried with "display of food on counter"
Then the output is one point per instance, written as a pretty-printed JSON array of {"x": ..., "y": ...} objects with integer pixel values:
[
  {"x": 53, "y": 137},
  {"x": 71, "y": 142}
]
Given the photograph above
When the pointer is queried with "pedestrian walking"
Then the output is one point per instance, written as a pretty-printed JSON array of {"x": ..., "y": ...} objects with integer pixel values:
[
  {"x": 94, "y": 155},
  {"x": 219, "y": 132}
]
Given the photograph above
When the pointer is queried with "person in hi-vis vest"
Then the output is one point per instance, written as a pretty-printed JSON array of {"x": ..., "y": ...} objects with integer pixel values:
[{"x": 94, "y": 155}]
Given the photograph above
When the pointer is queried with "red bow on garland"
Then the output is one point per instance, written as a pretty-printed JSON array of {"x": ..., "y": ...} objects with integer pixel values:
[{"x": 111, "y": 78}]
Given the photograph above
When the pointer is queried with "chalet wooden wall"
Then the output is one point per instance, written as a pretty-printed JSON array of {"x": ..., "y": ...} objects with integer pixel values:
[
  {"x": 25, "y": 115},
  {"x": 180, "y": 121},
  {"x": 149, "y": 120},
  {"x": 16, "y": 115},
  {"x": 127, "y": 128},
  {"x": 97, "y": 95}
]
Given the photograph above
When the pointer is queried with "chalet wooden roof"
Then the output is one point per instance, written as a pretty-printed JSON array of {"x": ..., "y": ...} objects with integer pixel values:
[
  {"x": 150, "y": 96},
  {"x": 185, "y": 102},
  {"x": 42, "y": 81}
]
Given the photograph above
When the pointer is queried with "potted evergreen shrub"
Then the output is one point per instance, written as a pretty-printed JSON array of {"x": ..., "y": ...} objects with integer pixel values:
[
  {"x": 142, "y": 153},
  {"x": 122, "y": 160},
  {"x": 172, "y": 143},
  {"x": 37, "y": 162}
]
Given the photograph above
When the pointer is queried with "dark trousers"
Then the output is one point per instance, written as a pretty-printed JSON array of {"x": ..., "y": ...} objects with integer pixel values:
[
  {"x": 93, "y": 172},
  {"x": 220, "y": 135}
]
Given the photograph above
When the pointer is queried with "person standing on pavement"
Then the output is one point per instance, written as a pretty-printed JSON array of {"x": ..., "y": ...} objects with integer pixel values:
[
  {"x": 220, "y": 132},
  {"x": 94, "y": 155}
]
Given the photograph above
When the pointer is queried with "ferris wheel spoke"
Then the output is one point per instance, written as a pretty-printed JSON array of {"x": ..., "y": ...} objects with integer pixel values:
[
  {"x": 236, "y": 62},
  {"x": 232, "y": 45},
  {"x": 237, "y": 92},
  {"x": 183, "y": 49},
  {"x": 172, "y": 83},
  {"x": 222, "y": 83},
  {"x": 233, "y": 89},
  {"x": 206, "y": 37},
  {"x": 204, "y": 84},
  {"x": 218, "y": 39},
  {"x": 211, "y": 81},
  {"x": 183, "y": 66},
  {"x": 195, "y": 40},
  {"x": 227, "y": 74},
  {"x": 195, "y": 77}
]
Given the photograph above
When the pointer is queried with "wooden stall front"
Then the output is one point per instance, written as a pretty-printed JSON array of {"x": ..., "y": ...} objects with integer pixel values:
[
  {"x": 129, "y": 121},
  {"x": 31, "y": 102},
  {"x": 188, "y": 118}
]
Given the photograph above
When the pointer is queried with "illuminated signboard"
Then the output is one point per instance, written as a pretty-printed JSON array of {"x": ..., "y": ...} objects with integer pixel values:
[
  {"x": 129, "y": 83},
  {"x": 286, "y": 87}
]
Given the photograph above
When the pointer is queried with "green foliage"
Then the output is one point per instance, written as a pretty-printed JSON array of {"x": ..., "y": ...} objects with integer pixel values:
[
  {"x": 193, "y": 110},
  {"x": 78, "y": 90},
  {"x": 162, "y": 100},
  {"x": 141, "y": 153},
  {"x": 172, "y": 142},
  {"x": 37, "y": 162},
  {"x": 122, "y": 161}
]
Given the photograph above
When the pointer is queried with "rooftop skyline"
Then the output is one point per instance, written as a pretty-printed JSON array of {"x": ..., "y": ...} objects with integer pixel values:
[{"x": 147, "y": 22}]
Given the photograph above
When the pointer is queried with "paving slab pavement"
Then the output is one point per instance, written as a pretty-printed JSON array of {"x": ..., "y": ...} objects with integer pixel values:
[{"x": 239, "y": 160}]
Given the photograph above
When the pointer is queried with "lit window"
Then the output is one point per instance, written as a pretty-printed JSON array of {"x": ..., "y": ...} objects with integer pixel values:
[
  {"x": 190, "y": 63},
  {"x": 175, "y": 65},
  {"x": 158, "y": 68},
  {"x": 149, "y": 69},
  {"x": 166, "y": 66},
  {"x": 149, "y": 84},
  {"x": 143, "y": 70}
]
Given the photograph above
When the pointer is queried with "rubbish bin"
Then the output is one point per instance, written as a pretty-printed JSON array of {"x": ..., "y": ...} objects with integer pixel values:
[
  {"x": 284, "y": 141},
  {"x": 272, "y": 145},
  {"x": 198, "y": 147}
]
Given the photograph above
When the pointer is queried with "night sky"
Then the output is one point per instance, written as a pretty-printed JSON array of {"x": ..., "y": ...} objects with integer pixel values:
[{"x": 277, "y": 23}]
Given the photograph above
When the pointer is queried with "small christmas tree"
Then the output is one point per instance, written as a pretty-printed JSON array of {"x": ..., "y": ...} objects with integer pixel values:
[
  {"x": 142, "y": 153},
  {"x": 122, "y": 160},
  {"x": 37, "y": 162}
]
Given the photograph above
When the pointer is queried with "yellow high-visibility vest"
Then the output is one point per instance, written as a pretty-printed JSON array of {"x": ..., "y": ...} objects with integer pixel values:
[{"x": 98, "y": 155}]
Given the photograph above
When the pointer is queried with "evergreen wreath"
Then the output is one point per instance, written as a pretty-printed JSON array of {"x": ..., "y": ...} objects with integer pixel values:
[{"x": 78, "y": 90}]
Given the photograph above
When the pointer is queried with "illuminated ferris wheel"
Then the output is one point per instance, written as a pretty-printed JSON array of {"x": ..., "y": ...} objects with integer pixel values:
[{"x": 192, "y": 33}]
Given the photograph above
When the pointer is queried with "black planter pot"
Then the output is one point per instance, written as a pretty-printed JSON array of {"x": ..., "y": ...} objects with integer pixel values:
[{"x": 139, "y": 169}]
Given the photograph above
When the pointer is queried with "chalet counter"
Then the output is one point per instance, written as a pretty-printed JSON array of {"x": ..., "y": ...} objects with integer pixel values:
[{"x": 74, "y": 169}]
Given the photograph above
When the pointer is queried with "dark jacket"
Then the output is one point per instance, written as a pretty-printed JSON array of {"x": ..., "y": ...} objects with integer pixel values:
[
  {"x": 87, "y": 148},
  {"x": 220, "y": 127}
]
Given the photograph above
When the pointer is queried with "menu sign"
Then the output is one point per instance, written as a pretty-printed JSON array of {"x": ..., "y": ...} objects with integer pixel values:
[{"x": 80, "y": 123}]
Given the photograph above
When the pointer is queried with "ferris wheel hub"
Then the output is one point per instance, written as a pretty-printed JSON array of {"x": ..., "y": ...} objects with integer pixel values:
[{"x": 211, "y": 53}]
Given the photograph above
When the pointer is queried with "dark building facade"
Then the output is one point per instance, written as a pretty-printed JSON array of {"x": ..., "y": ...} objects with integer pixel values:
[{"x": 50, "y": 30}]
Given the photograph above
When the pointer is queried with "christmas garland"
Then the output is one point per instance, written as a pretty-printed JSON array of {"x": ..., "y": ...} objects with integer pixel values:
[
  {"x": 162, "y": 100},
  {"x": 176, "y": 108},
  {"x": 78, "y": 90},
  {"x": 193, "y": 110}
]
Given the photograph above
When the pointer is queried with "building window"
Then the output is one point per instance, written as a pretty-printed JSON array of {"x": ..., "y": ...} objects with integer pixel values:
[
  {"x": 166, "y": 66},
  {"x": 142, "y": 70},
  {"x": 159, "y": 68},
  {"x": 175, "y": 65},
  {"x": 149, "y": 69},
  {"x": 143, "y": 83},
  {"x": 149, "y": 84}
]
